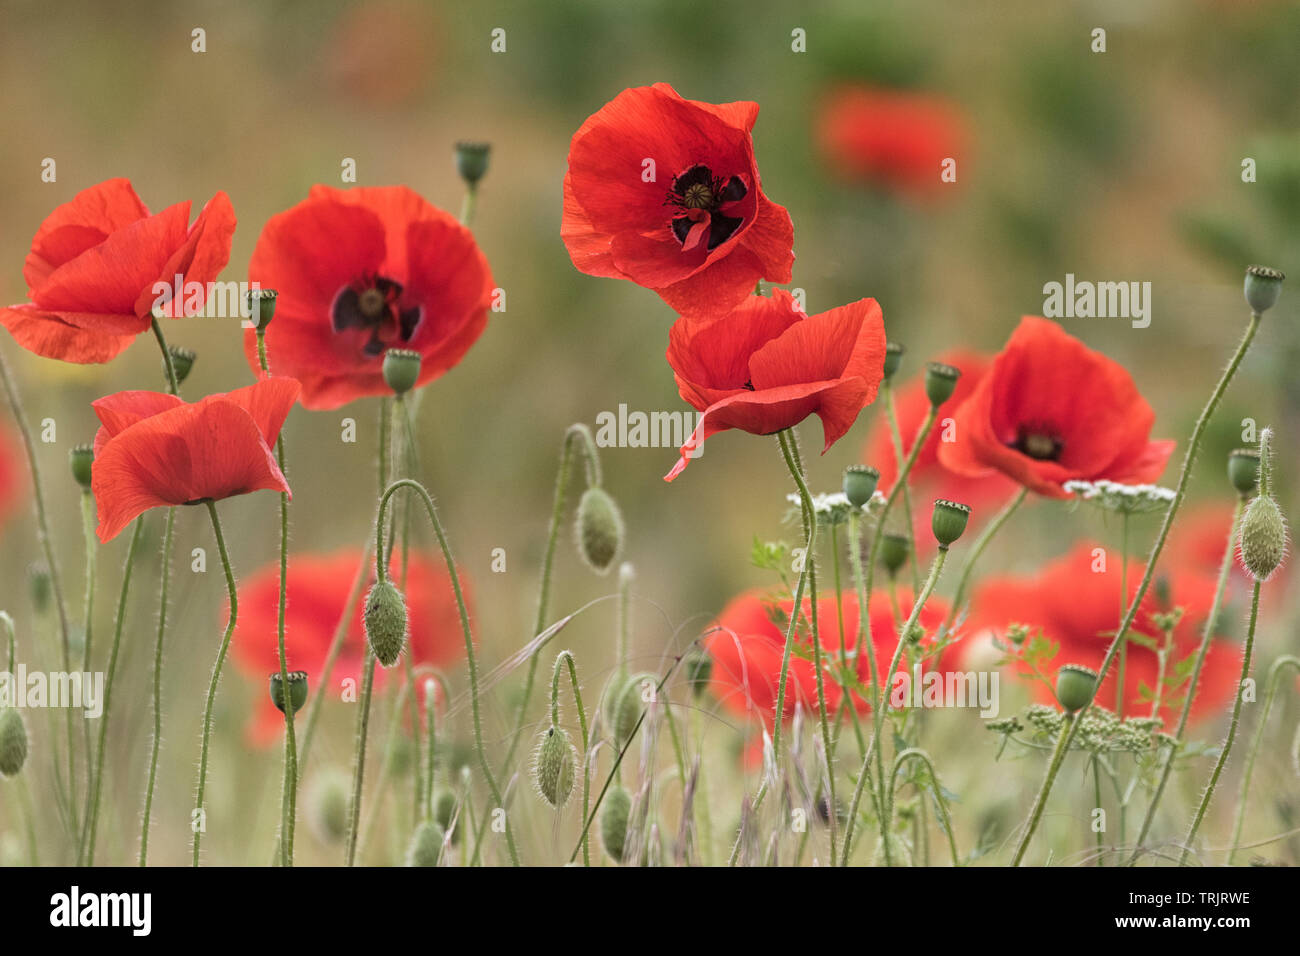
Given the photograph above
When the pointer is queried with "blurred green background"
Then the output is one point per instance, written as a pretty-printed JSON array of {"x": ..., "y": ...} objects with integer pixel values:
[{"x": 1122, "y": 165}]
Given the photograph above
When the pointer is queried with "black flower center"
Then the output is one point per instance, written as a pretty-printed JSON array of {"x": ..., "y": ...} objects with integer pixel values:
[
  {"x": 700, "y": 196},
  {"x": 1039, "y": 445},
  {"x": 373, "y": 304}
]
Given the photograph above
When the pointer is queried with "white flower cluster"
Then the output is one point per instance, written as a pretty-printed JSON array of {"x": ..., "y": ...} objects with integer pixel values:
[
  {"x": 1121, "y": 498},
  {"x": 834, "y": 508}
]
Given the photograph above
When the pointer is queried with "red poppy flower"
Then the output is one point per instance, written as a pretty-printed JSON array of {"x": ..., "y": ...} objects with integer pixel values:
[
  {"x": 13, "y": 482},
  {"x": 318, "y": 587},
  {"x": 1079, "y": 607},
  {"x": 154, "y": 449},
  {"x": 360, "y": 271},
  {"x": 1051, "y": 410},
  {"x": 747, "y": 650},
  {"x": 94, "y": 264},
  {"x": 665, "y": 191},
  {"x": 768, "y": 366},
  {"x": 896, "y": 138},
  {"x": 929, "y": 477}
]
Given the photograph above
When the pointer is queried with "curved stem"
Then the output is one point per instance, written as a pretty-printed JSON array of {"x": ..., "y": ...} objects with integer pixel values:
[
  {"x": 562, "y": 658},
  {"x": 896, "y": 439},
  {"x": 359, "y": 755},
  {"x": 471, "y": 659},
  {"x": 173, "y": 384},
  {"x": 1180, "y": 492},
  {"x": 915, "y": 753},
  {"x": 1243, "y": 795},
  {"x": 157, "y": 686},
  {"x": 92, "y": 808},
  {"x": 233, "y": 595},
  {"x": 1053, "y": 767}
]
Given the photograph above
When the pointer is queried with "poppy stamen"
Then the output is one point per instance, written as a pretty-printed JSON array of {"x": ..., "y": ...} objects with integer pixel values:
[
  {"x": 1039, "y": 446},
  {"x": 701, "y": 195}
]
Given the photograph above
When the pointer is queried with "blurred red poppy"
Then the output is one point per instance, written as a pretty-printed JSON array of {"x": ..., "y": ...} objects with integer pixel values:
[
  {"x": 13, "y": 465},
  {"x": 1075, "y": 600},
  {"x": 896, "y": 138},
  {"x": 1051, "y": 410},
  {"x": 95, "y": 262},
  {"x": 747, "y": 651},
  {"x": 318, "y": 586},
  {"x": 665, "y": 192},
  {"x": 154, "y": 449},
  {"x": 768, "y": 366},
  {"x": 360, "y": 271}
]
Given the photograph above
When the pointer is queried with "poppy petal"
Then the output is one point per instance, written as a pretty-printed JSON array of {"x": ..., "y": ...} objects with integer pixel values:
[{"x": 49, "y": 335}]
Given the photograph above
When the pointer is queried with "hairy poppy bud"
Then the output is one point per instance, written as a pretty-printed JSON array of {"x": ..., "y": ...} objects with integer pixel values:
[
  {"x": 893, "y": 358},
  {"x": 444, "y": 808},
  {"x": 948, "y": 521},
  {"x": 1263, "y": 286},
  {"x": 699, "y": 668},
  {"x": 386, "y": 622},
  {"x": 1243, "y": 470},
  {"x": 425, "y": 846},
  {"x": 894, "y": 549},
  {"x": 860, "y": 484},
  {"x": 553, "y": 765},
  {"x": 182, "y": 362},
  {"x": 1075, "y": 685},
  {"x": 401, "y": 369},
  {"x": 599, "y": 529},
  {"x": 1263, "y": 538},
  {"x": 614, "y": 814},
  {"x": 297, "y": 691},
  {"x": 472, "y": 161},
  {"x": 81, "y": 458},
  {"x": 327, "y": 806},
  {"x": 940, "y": 381},
  {"x": 261, "y": 308},
  {"x": 13, "y": 742},
  {"x": 626, "y": 704}
]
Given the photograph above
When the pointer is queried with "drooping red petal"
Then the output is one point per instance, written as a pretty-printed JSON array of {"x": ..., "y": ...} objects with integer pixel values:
[{"x": 50, "y": 335}]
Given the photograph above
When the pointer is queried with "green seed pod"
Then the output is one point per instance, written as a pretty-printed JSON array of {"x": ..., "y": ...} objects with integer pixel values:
[
  {"x": 1263, "y": 286},
  {"x": 1243, "y": 470},
  {"x": 386, "y": 622},
  {"x": 182, "y": 363},
  {"x": 81, "y": 459},
  {"x": 614, "y": 812},
  {"x": 1075, "y": 685},
  {"x": 261, "y": 308},
  {"x": 699, "y": 668},
  {"x": 297, "y": 690},
  {"x": 893, "y": 358},
  {"x": 894, "y": 549},
  {"x": 401, "y": 369},
  {"x": 444, "y": 808},
  {"x": 472, "y": 161},
  {"x": 624, "y": 709},
  {"x": 327, "y": 806},
  {"x": 425, "y": 846},
  {"x": 13, "y": 742},
  {"x": 599, "y": 529},
  {"x": 1263, "y": 537},
  {"x": 948, "y": 521},
  {"x": 860, "y": 484},
  {"x": 940, "y": 381},
  {"x": 553, "y": 765}
]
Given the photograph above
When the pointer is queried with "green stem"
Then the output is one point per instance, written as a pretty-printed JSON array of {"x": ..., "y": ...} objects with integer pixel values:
[
  {"x": 432, "y": 512},
  {"x": 157, "y": 686},
  {"x": 1123, "y": 607},
  {"x": 359, "y": 754},
  {"x": 1243, "y": 796},
  {"x": 430, "y": 702},
  {"x": 1053, "y": 767},
  {"x": 566, "y": 657},
  {"x": 1180, "y": 492},
  {"x": 896, "y": 439},
  {"x": 233, "y": 595},
  {"x": 915, "y": 753},
  {"x": 173, "y": 384},
  {"x": 468, "y": 205},
  {"x": 1096, "y": 796},
  {"x": 976, "y": 550}
]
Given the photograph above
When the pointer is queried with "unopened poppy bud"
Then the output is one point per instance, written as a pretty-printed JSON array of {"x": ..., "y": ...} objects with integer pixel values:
[
  {"x": 386, "y": 622},
  {"x": 401, "y": 369},
  {"x": 614, "y": 814},
  {"x": 948, "y": 521},
  {"x": 893, "y": 358},
  {"x": 1243, "y": 470},
  {"x": 472, "y": 161},
  {"x": 38, "y": 583},
  {"x": 81, "y": 458},
  {"x": 1075, "y": 685},
  {"x": 327, "y": 806},
  {"x": 261, "y": 308},
  {"x": 13, "y": 742},
  {"x": 894, "y": 549},
  {"x": 599, "y": 529},
  {"x": 860, "y": 484},
  {"x": 1263, "y": 286},
  {"x": 297, "y": 691},
  {"x": 182, "y": 363},
  {"x": 940, "y": 381},
  {"x": 699, "y": 668},
  {"x": 426, "y": 845},
  {"x": 444, "y": 808},
  {"x": 627, "y": 703},
  {"x": 553, "y": 765},
  {"x": 1263, "y": 538}
]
